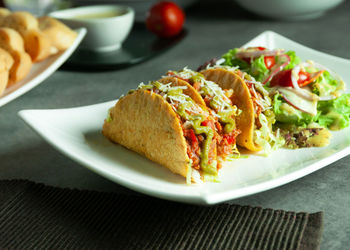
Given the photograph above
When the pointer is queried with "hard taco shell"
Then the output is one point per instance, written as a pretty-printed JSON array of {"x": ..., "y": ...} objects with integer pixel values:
[
  {"x": 190, "y": 91},
  {"x": 242, "y": 99},
  {"x": 144, "y": 122}
]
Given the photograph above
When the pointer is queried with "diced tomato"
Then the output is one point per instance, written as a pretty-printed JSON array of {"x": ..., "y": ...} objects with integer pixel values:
[
  {"x": 207, "y": 99},
  {"x": 230, "y": 138},
  {"x": 208, "y": 123},
  {"x": 269, "y": 61},
  {"x": 193, "y": 137},
  {"x": 218, "y": 127}
]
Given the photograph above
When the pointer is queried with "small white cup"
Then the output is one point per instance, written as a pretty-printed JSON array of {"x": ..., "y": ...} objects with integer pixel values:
[{"x": 108, "y": 25}]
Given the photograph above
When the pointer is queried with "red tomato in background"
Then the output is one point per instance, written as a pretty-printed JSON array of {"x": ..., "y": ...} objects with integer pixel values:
[{"x": 165, "y": 19}]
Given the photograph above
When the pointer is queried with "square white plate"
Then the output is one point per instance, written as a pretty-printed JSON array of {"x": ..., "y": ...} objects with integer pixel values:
[
  {"x": 76, "y": 132},
  {"x": 40, "y": 71}
]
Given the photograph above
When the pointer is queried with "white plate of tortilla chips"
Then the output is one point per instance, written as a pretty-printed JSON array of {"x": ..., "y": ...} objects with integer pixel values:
[
  {"x": 40, "y": 71},
  {"x": 76, "y": 132}
]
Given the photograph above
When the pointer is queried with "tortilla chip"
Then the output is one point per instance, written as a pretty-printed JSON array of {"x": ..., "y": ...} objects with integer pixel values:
[
  {"x": 242, "y": 99},
  {"x": 144, "y": 122}
]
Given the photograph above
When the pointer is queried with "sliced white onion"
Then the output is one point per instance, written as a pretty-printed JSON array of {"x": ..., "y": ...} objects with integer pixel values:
[
  {"x": 327, "y": 98},
  {"x": 298, "y": 102},
  {"x": 307, "y": 94},
  {"x": 257, "y": 53},
  {"x": 301, "y": 92},
  {"x": 295, "y": 77},
  {"x": 335, "y": 75}
]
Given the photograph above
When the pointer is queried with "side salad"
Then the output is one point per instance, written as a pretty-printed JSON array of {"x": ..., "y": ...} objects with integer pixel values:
[{"x": 307, "y": 98}]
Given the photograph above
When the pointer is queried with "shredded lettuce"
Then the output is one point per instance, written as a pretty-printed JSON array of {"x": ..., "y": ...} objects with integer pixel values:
[
  {"x": 266, "y": 138},
  {"x": 210, "y": 178}
]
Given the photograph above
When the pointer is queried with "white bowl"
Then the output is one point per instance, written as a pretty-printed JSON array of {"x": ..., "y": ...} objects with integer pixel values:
[
  {"x": 289, "y": 9},
  {"x": 108, "y": 25}
]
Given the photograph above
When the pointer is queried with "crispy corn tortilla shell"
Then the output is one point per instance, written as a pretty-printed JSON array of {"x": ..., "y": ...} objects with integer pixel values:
[
  {"x": 190, "y": 91},
  {"x": 144, "y": 122},
  {"x": 242, "y": 99}
]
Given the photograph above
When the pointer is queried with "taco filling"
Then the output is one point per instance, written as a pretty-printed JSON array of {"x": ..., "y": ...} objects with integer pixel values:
[
  {"x": 264, "y": 117},
  {"x": 219, "y": 105},
  {"x": 254, "y": 101},
  {"x": 198, "y": 129}
]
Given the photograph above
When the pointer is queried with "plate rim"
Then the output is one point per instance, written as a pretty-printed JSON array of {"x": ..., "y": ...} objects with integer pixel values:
[
  {"x": 199, "y": 197},
  {"x": 273, "y": 33}
]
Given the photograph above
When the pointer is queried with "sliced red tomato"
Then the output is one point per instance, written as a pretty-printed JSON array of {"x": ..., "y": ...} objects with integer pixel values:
[
  {"x": 310, "y": 78},
  {"x": 269, "y": 61},
  {"x": 257, "y": 48},
  {"x": 303, "y": 77},
  {"x": 284, "y": 78}
]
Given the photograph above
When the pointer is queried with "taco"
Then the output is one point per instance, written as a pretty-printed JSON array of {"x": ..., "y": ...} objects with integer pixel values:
[
  {"x": 255, "y": 121},
  {"x": 168, "y": 123},
  {"x": 219, "y": 104}
]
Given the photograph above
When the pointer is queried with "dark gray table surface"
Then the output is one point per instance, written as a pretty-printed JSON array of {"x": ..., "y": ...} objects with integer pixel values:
[{"x": 213, "y": 29}]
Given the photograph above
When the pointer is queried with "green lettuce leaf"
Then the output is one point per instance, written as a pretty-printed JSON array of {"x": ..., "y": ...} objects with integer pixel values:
[
  {"x": 258, "y": 69},
  {"x": 285, "y": 113},
  {"x": 294, "y": 60},
  {"x": 334, "y": 114},
  {"x": 232, "y": 61},
  {"x": 327, "y": 85}
]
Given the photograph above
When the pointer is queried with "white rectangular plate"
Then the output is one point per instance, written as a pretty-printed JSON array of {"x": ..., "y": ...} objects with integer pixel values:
[
  {"x": 40, "y": 71},
  {"x": 76, "y": 132}
]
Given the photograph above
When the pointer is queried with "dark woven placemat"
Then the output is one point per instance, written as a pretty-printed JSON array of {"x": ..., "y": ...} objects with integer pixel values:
[{"x": 38, "y": 216}]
